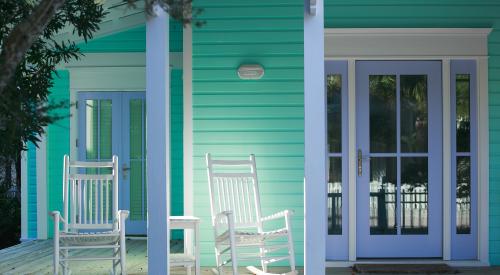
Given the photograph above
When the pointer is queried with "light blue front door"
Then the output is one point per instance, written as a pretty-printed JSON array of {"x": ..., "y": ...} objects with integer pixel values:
[
  {"x": 399, "y": 159},
  {"x": 113, "y": 123}
]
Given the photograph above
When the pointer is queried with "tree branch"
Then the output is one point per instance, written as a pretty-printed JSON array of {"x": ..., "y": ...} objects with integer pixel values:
[{"x": 22, "y": 38}]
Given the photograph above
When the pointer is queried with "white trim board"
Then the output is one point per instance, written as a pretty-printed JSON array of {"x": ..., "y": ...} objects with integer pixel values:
[
  {"x": 351, "y": 85},
  {"x": 407, "y": 42},
  {"x": 420, "y": 44},
  {"x": 93, "y": 60},
  {"x": 483, "y": 160},
  {"x": 405, "y": 261},
  {"x": 24, "y": 196},
  {"x": 187, "y": 133},
  {"x": 446, "y": 151},
  {"x": 41, "y": 188},
  {"x": 108, "y": 79}
]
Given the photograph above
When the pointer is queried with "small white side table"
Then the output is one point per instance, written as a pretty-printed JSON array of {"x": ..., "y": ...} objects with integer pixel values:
[{"x": 187, "y": 259}]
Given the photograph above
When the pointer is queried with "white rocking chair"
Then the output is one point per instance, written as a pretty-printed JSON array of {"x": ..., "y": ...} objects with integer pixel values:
[
  {"x": 237, "y": 220},
  {"x": 91, "y": 219}
]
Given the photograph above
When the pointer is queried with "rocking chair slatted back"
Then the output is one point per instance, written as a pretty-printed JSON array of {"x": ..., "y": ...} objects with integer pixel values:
[
  {"x": 90, "y": 200},
  {"x": 233, "y": 186}
]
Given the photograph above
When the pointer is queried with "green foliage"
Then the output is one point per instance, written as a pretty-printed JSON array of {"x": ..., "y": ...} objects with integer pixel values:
[
  {"x": 180, "y": 10},
  {"x": 10, "y": 223},
  {"x": 25, "y": 105}
]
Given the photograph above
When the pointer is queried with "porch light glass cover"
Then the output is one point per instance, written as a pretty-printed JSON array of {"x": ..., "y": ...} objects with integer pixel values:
[{"x": 250, "y": 71}]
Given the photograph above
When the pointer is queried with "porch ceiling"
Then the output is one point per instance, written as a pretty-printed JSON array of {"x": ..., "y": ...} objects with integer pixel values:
[{"x": 120, "y": 17}]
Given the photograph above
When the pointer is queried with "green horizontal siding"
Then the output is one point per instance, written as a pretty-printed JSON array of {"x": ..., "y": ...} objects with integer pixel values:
[
  {"x": 57, "y": 146},
  {"x": 439, "y": 14},
  {"x": 233, "y": 118},
  {"x": 32, "y": 195},
  {"x": 133, "y": 40}
]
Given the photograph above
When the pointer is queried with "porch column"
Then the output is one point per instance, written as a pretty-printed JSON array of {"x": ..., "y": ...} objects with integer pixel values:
[
  {"x": 158, "y": 140},
  {"x": 315, "y": 142}
]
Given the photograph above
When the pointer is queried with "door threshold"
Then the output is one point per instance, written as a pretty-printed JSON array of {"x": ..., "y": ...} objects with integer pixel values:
[{"x": 466, "y": 263}]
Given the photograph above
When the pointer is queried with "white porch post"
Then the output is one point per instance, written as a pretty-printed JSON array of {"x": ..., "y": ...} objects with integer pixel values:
[
  {"x": 158, "y": 140},
  {"x": 315, "y": 145}
]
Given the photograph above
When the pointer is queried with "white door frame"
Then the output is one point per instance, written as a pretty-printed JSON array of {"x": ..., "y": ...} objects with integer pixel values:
[{"x": 420, "y": 44}]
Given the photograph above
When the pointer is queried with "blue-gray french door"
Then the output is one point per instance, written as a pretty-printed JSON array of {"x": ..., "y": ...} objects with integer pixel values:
[
  {"x": 113, "y": 123},
  {"x": 399, "y": 159}
]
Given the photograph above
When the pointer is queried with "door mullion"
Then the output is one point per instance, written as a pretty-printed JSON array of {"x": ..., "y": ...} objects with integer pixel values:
[
  {"x": 143, "y": 157},
  {"x": 98, "y": 129},
  {"x": 397, "y": 200}
]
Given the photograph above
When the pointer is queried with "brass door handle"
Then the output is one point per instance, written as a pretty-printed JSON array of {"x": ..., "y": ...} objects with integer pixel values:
[
  {"x": 125, "y": 169},
  {"x": 360, "y": 163}
]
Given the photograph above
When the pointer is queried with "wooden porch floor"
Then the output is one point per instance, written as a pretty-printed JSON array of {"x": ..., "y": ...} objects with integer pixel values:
[{"x": 35, "y": 257}]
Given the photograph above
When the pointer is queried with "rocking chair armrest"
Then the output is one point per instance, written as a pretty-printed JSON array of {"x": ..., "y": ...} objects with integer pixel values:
[
  {"x": 220, "y": 217},
  {"x": 58, "y": 219},
  {"x": 56, "y": 215},
  {"x": 123, "y": 214},
  {"x": 223, "y": 215},
  {"x": 277, "y": 215},
  {"x": 121, "y": 217}
]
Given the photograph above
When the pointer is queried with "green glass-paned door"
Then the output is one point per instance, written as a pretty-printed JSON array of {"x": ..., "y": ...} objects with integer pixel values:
[
  {"x": 114, "y": 123},
  {"x": 137, "y": 161}
]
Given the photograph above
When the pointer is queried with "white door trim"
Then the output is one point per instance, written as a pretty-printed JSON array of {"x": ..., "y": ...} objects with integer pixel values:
[
  {"x": 406, "y": 42},
  {"x": 445, "y": 63},
  {"x": 421, "y": 44},
  {"x": 483, "y": 160},
  {"x": 351, "y": 118},
  {"x": 24, "y": 196},
  {"x": 41, "y": 188}
]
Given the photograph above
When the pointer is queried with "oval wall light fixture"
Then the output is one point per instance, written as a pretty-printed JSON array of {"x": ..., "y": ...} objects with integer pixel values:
[{"x": 250, "y": 71}]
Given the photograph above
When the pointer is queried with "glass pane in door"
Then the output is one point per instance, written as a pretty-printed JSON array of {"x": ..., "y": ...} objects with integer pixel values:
[
  {"x": 335, "y": 196},
  {"x": 98, "y": 130},
  {"x": 463, "y": 200},
  {"x": 105, "y": 131},
  {"x": 414, "y": 195},
  {"x": 463, "y": 112},
  {"x": 413, "y": 113},
  {"x": 91, "y": 129},
  {"x": 334, "y": 109},
  {"x": 383, "y": 188},
  {"x": 382, "y": 113},
  {"x": 137, "y": 160},
  {"x": 98, "y": 138}
]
